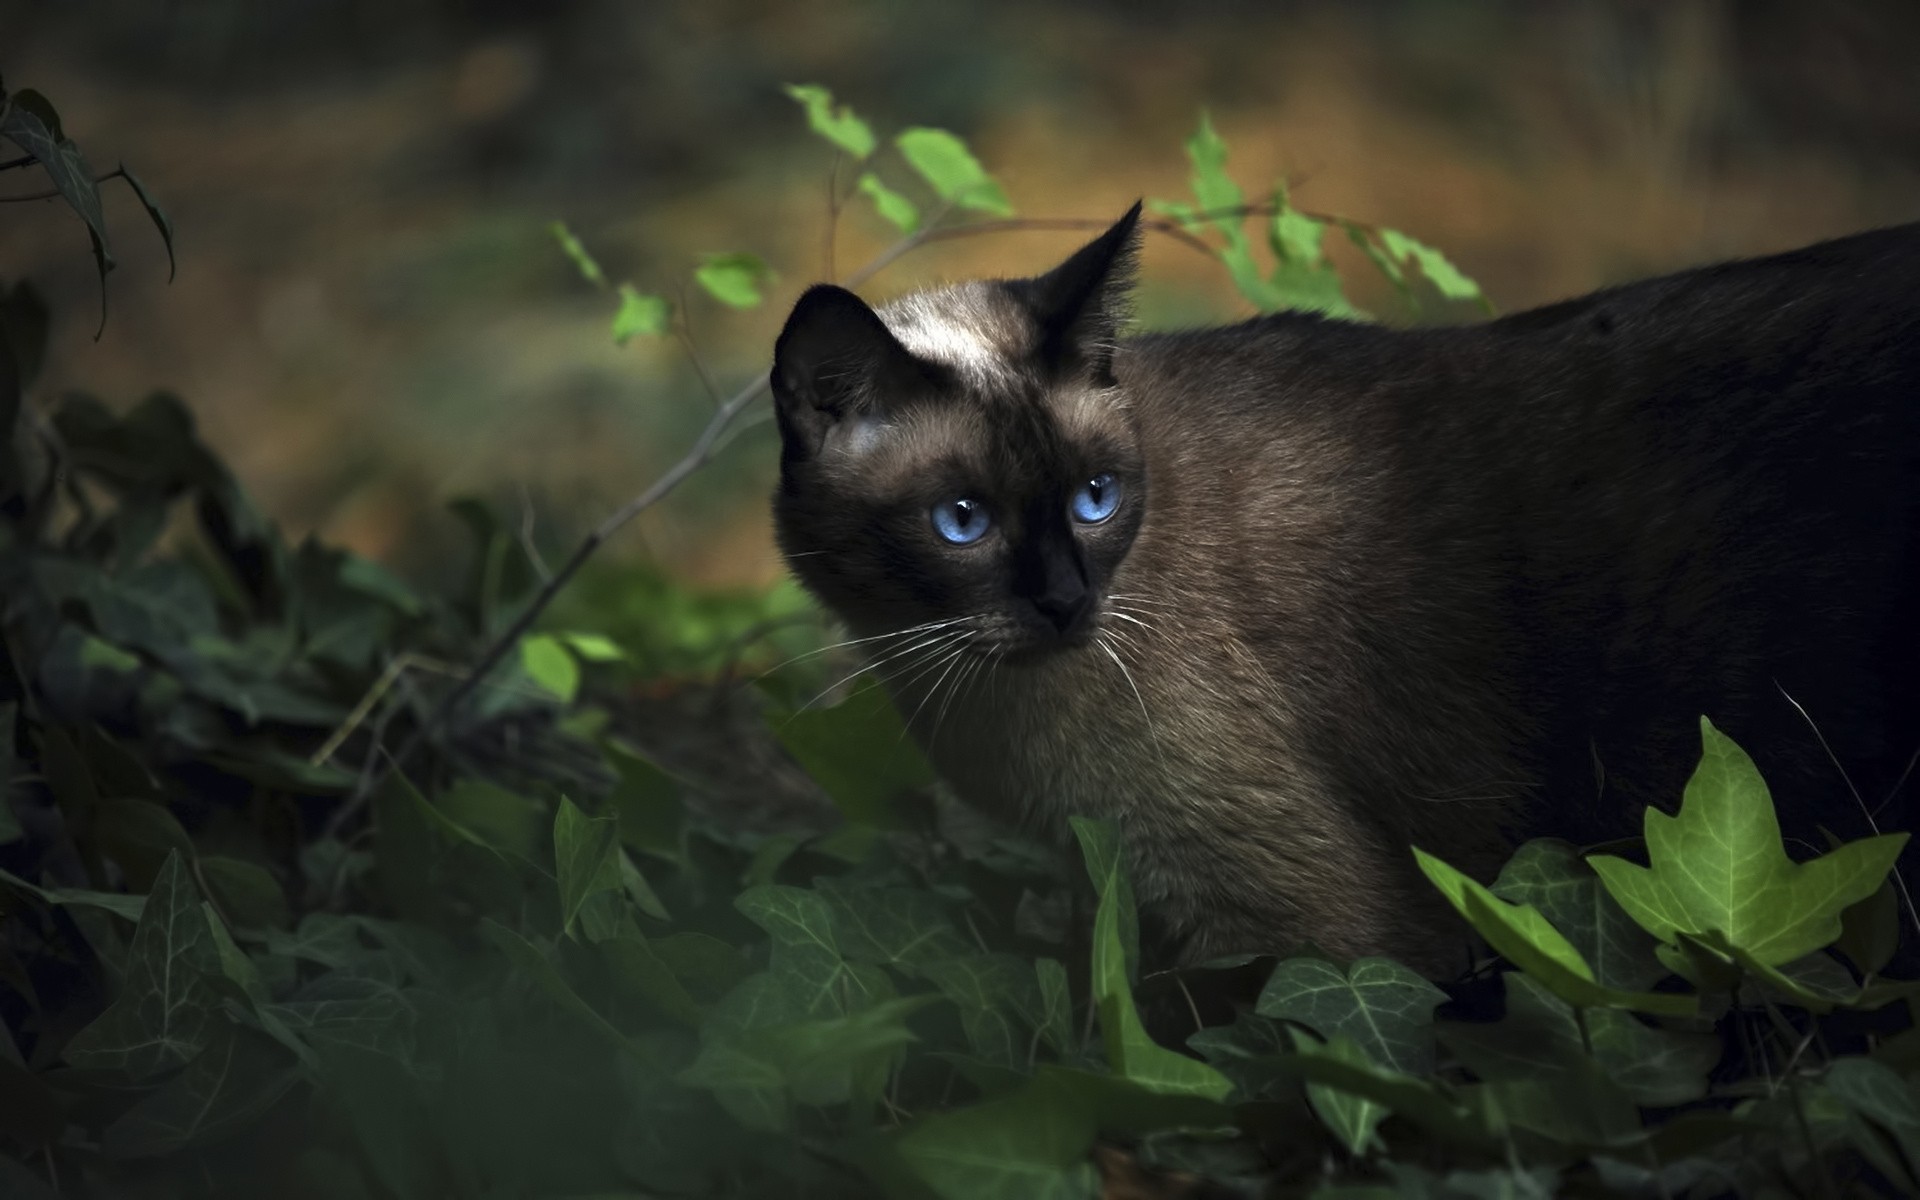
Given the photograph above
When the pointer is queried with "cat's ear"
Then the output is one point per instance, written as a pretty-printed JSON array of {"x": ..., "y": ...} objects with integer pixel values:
[
  {"x": 835, "y": 360},
  {"x": 1081, "y": 304}
]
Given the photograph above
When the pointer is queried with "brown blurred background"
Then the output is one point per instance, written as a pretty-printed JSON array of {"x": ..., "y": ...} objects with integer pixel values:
[{"x": 370, "y": 317}]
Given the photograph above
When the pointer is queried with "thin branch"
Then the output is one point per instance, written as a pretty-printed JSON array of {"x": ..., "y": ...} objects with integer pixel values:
[
  {"x": 55, "y": 193},
  {"x": 25, "y": 160},
  {"x": 683, "y": 332},
  {"x": 833, "y": 216},
  {"x": 695, "y": 458}
]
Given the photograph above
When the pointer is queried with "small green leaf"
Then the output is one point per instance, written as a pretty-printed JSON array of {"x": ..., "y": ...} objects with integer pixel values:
[
  {"x": 104, "y": 655},
  {"x": 1528, "y": 941},
  {"x": 733, "y": 279},
  {"x": 593, "y": 647},
  {"x": 952, "y": 171},
  {"x": 891, "y": 205},
  {"x": 1384, "y": 1009},
  {"x": 640, "y": 314},
  {"x": 839, "y": 126},
  {"x": 903, "y": 928},
  {"x": 585, "y": 851},
  {"x": 1446, "y": 278},
  {"x": 577, "y": 253},
  {"x": 548, "y": 664},
  {"x": 1719, "y": 866},
  {"x": 1101, "y": 848}
]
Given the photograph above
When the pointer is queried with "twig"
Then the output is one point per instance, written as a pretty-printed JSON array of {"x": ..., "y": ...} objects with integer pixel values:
[
  {"x": 528, "y": 546},
  {"x": 56, "y": 193},
  {"x": 833, "y": 216},
  {"x": 695, "y": 458},
  {"x": 25, "y": 160}
]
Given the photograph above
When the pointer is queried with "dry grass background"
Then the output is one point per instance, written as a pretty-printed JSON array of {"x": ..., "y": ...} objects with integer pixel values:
[{"x": 370, "y": 318}]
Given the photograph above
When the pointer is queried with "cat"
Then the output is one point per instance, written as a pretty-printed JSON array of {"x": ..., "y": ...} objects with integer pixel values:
[{"x": 1287, "y": 597}]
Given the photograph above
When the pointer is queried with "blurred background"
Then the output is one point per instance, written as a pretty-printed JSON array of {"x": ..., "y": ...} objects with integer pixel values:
[{"x": 371, "y": 317}]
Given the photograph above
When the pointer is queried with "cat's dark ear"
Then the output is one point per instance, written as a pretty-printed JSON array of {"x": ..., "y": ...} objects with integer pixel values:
[
  {"x": 834, "y": 360},
  {"x": 1081, "y": 304}
]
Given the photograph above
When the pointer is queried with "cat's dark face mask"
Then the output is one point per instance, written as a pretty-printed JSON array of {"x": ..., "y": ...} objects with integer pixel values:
[{"x": 961, "y": 470}]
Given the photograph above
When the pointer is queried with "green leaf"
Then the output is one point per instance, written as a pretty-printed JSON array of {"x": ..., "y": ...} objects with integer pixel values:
[
  {"x": 1878, "y": 1094},
  {"x": 246, "y": 892},
  {"x": 952, "y": 171},
  {"x": 118, "y": 903},
  {"x": 1384, "y": 1009},
  {"x": 640, "y": 313},
  {"x": 585, "y": 851},
  {"x": 735, "y": 279},
  {"x": 859, "y": 754},
  {"x": 155, "y": 213},
  {"x": 1551, "y": 875},
  {"x": 165, "y": 1012},
  {"x": 1351, "y": 1118},
  {"x": 548, "y": 664},
  {"x": 593, "y": 647},
  {"x": 1524, "y": 938},
  {"x": 531, "y": 962},
  {"x": 839, "y": 126},
  {"x": 1539, "y": 1036},
  {"x": 1131, "y": 1053},
  {"x": 31, "y": 123},
  {"x": 1033, "y": 1143},
  {"x": 891, "y": 205},
  {"x": 577, "y": 254},
  {"x": 10, "y": 830},
  {"x": 1718, "y": 866},
  {"x": 228, "y": 1086},
  {"x": 1056, "y": 1005},
  {"x": 105, "y": 656},
  {"x": 903, "y": 928},
  {"x": 1446, "y": 278},
  {"x": 1000, "y": 1004},
  {"x": 1870, "y": 930},
  {"x": 1101, "y": 848}
]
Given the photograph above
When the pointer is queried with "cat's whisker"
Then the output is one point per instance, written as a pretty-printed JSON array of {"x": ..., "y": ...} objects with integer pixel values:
[
  {"x": 1128, "y": 676},
  {"x": 938, "y": 640},
  {"x": 967, "y": 674},
  {"x": 860, "y": 641},
  {"x": 952, "y": 658}
]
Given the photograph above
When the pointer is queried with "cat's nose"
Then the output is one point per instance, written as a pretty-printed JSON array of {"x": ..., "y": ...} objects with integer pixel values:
[{"x": 1066, "y": 609}]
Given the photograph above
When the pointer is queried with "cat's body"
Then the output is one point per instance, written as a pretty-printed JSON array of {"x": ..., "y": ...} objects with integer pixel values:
[{"x": 1379, "y": 588}]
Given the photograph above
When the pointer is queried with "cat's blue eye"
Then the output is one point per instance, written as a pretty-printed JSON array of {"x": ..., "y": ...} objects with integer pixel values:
[
  {"x": 1096, "y": 499},
  {"x": 961, "y": 521}
]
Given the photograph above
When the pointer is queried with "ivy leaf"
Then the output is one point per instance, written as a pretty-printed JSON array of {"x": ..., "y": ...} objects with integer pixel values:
[
  {"x": 1032, "y": 1143},
  {"x": 1719, "y": 866},
  {"x": 952, "y": 171},
  {"x": 548, "y": 664},
  {"x": 1878, "y": 1094},
  {"x": 999, "y": 1002},
  {"x": 30, "y": 122},
  {"x": 1524, "y": 937},
  {"x": 733, "y": 279},
  {"x": 155, "y": 213},
  {"x": 585, "y": 852},
  {"x": 225, "y": 1088},
  {"x": 1539, "y": 1036},
  {"x": 1381, "y": 1007},
  {"x": 895, "y": 927},
  {"x": 165, "y": 1012},
  {"x": 640, "y": 313},
  {"x": 1351, "y": 1118},
  {"x": 895, "y": 208},
  {"x": 1131, "y": 1053},
  {"x": 839, "y": 126},
  {"x": 1551, "y": 875}
]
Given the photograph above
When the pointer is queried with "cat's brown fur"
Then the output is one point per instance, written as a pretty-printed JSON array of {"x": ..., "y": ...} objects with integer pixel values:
[{"x": 1370, "y": 588}]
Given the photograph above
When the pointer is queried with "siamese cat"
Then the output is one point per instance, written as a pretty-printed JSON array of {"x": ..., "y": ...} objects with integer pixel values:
[{"x": 1288, "y": 597}]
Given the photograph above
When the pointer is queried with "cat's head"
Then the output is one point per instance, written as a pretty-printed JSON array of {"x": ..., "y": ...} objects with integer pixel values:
[{"x": 964, "y": 455}]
